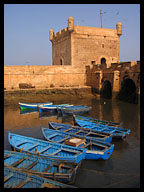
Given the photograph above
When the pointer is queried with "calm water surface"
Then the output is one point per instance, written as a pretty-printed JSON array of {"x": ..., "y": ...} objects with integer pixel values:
[{"x": 122, "y": 170}]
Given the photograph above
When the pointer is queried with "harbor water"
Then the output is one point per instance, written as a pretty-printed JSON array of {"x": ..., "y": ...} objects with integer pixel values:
[{"x": 122, "y": 170}]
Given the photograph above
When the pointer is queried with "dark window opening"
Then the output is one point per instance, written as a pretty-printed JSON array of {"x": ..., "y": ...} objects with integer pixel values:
[
  {"x": 93, "y": 62},
  {"x": 103, "y": 61},
  {"x": 61, "y": 62}
]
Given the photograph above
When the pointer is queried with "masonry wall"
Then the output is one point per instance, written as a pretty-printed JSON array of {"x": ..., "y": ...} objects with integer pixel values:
[
  {"x": 61, "y": 48},
  {"x": 43, "y": 76},
  {"x": 90, "y": 44},
  {"x": 97, "y": 75}
]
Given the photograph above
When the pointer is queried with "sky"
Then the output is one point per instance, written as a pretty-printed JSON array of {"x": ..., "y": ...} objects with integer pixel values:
[{"x": 26, "y": 28}]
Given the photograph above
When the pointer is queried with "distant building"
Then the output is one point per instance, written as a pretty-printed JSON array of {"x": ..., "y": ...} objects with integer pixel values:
[{"x": 81, "y": 45}]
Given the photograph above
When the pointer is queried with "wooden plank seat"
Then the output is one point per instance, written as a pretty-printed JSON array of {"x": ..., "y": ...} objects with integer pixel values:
[
  {"x": 93, "y": 133},
  {"x": 48, "y": 185},
  {"x": 77, "y": 132},
  {"x": 103, "y": 146},
  {"x": 6, "y": 156},
  {"x": 67, "y": 137},
  {"x": 68, "y": 129},
  {"x": 19, "y": 185},
  {"x": 57, "y": 128},
  {"x": 18, "y": 162},
  {"x": 44, "y": 149},
  {"x": 47, "y": 168},
  {"x": 32, "y": 165},
  {"x": 54, "y": 153},
  {"x": 31, "y": 147},
  {"x": 8, "y": 177},
  {"x": 20, "y": 143},
  {"x": 53, "y": 135}
]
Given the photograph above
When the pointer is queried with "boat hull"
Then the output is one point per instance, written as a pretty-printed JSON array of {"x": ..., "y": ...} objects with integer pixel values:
[
  {"x": 68, "y": 111},
  {"x": 45, "y": 148},
  {"x": 116, "y": 132},
  {"x": 52, "y": 108},
  {"x": 95, "y": 149},
  {"x": 99, "y": 155},
  {"x": 14, "y": 178},
  {"x": 52, "y": 169},
  {"x": 80, "y": 131},
  {"x": 32, "y": 106}
]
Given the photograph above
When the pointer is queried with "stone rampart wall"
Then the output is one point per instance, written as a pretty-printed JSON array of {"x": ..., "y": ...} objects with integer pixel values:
[{"x": 43, "y": 76}]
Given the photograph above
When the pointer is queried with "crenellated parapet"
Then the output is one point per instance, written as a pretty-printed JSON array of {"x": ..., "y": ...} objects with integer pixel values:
[
  {"x": 116, "y": 75},
  {"x": 60, "y": 34},
  {"x": 64, "y": 32},
  {"x": 119, "y": 28},
  {"x": 122, "y": 66}
]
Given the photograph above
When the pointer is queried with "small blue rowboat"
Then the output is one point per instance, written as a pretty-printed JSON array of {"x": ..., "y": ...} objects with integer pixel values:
[
  {"x": 13, "y": 178},
  {"x": 52, "y": 108},
  {"x": 95, "y": 149},
  {"x": 87, "y": 122},
  {"x": 75, "y": 109},
  {"x": 26, "y": 106},
  {"x": 42, "y": 166},
  {"x": 45, "y": 148},
  {"x": 80, "y": 131},
  {"x": 100, "y": 122}
]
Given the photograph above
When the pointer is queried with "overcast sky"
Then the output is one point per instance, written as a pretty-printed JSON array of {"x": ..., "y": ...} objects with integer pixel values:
[{"x": 26, "y": 28}]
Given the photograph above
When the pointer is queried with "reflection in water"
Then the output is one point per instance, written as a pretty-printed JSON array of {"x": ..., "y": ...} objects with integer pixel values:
[{"x": 125, "y": 159}]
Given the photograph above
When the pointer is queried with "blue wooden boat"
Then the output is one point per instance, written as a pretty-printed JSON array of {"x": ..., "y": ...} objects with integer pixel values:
[
  {"x": 52, "y": 108},
  {"x": 87, "y": 122},
  {"x": 14, "y": 178},
  {"x": 100, "y": 122},
  {"x": 61, "y": 107},
  {"x": 42, "y": 166},
  {"x": 76, "y": 109},
  {"x": 45, "y": 148},
  {"x": 80, "y": 131},
  {"x": 95, "y": 149},
  {"x": 26, "y": 106}
]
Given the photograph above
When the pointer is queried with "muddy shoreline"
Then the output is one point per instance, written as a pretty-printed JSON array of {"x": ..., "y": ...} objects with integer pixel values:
[{"x": 12, "y": 98}]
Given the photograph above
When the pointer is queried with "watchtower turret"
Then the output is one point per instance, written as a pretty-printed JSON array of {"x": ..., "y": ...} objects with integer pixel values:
[
  {"x": 70, "y": 24},
  {"x": 119, "y": 28},
  {"x": 51, "y": 34}
]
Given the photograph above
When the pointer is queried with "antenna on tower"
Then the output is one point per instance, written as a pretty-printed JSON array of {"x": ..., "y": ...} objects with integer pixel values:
[{"x": 101, "y": 16}]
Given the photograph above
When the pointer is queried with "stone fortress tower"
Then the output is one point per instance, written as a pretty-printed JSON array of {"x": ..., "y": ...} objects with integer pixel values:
[{"x": 81, "y": 45}]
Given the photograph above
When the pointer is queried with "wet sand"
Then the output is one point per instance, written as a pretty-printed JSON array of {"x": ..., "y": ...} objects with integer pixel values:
[{"x": 12, "y": 98}]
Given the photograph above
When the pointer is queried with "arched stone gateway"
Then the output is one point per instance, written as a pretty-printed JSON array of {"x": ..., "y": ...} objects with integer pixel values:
[
  {"x": 128, "y": 91},
  {"x": 106, "y": 90}
]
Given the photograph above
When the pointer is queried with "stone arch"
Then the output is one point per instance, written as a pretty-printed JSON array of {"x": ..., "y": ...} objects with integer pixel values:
[
  {"x": 128, "y": 91},
  {"x": 106, "y": 90}
]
